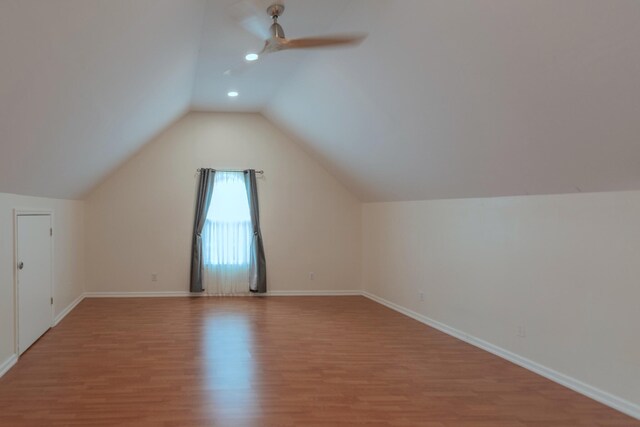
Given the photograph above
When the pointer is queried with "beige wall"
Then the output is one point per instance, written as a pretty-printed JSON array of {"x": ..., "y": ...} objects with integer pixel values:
[
  {"x": 68, "y": 258},
  {"x": 566, "y": 268},
  {"x": 140, "y": 220}
]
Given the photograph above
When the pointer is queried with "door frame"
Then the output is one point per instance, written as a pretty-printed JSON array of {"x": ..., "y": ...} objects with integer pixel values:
[{"x": 16, "y": 297}]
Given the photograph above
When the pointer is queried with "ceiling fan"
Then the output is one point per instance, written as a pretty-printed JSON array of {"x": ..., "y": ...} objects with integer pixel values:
[{"x": 274, "y": 36}]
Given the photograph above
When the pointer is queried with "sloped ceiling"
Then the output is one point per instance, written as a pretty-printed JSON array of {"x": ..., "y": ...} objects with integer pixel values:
[
  {"x": 450, "y": 99},
  {"x": 85, "y": 83},
  {"x": 445, "y": 98}
]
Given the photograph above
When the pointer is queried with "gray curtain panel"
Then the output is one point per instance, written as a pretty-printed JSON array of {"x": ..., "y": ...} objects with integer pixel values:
[
  {"x": 203, "y": 201},
  {"x": 258, "y": 269}
]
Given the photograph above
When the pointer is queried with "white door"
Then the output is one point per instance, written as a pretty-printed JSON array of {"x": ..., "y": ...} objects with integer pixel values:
[{"x": 34, "y": 278}]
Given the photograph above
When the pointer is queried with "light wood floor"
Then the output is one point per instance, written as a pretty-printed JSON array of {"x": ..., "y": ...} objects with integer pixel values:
[{"x": 284, "y": 361}]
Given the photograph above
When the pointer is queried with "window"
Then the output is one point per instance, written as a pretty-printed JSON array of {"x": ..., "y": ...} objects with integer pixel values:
[{"x": 227, "y": 231}]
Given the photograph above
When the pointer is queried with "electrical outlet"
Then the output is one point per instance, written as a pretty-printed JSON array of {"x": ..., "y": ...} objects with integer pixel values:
[
  {"x": 154, "y": 277},
  {"x": 312, "y": 275},
  {"x": 422, "y": 296},
  {"x": 522, "y": 332}
]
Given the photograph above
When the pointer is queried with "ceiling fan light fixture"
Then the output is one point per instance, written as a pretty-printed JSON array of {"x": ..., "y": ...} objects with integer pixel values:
[
  {"x": 233, "y": 94},
  {"x": 252, "y": 57}
]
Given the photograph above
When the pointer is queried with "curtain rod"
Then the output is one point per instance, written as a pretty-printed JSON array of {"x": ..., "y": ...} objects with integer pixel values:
[{"x": 231, "y": 170}]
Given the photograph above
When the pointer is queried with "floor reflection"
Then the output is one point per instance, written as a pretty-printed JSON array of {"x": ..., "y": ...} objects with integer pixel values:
[{"x": 230, "y": 369}]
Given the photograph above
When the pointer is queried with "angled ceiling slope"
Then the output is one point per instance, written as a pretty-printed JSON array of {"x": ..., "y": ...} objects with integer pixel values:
[
  {"x": 449, "y": 99},
  {"x": 85, "y": 83},
  {"x": 444, "y": 99}
]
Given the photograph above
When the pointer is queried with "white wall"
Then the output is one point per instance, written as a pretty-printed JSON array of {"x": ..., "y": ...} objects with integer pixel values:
[
  {"x": 140, "y": 220},
  {"x": 68, "y": 258},
  {"x": 566, "y": 268}
]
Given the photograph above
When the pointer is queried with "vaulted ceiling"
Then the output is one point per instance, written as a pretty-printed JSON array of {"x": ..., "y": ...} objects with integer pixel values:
[
  {"x": 445, "y": 98},
  {"x": 85, "y": 83}
]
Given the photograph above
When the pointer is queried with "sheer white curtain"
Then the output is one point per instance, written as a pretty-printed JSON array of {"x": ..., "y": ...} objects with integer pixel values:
[{"x": 226, "y": 238}]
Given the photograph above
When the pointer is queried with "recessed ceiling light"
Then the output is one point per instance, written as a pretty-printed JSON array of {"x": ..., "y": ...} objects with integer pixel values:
[
  {"x": 232, "y": 94},
  {"x": 251, "y": 57}
]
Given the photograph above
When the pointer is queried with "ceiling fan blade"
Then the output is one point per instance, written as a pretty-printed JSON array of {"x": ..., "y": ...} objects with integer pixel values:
[
  {"x": 323, "y": 42},
  {"x": 251, "y": 18}
]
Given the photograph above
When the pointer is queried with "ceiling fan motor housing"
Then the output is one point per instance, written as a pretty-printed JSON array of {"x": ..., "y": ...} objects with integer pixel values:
[
  {"x": 277, "y": 31},
  {"x": 275, "y": 11}
]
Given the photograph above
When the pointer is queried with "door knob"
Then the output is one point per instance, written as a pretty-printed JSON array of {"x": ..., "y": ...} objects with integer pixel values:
[{"x": 20, "y": 265}]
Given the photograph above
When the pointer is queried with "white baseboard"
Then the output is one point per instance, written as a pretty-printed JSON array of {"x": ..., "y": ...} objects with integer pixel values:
[
  {"x": 8, "y": 364},
  {"x": 189, "y": 294},
  {"x": 313, "y": 293},
  {"x": 159, "y": 294},
  {"x": 67, "y": 310},
  {"x": 590, "y": 391}
]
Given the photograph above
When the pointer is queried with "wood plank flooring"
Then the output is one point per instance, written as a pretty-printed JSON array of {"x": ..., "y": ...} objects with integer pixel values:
[{"x": 287, "y": 361}]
